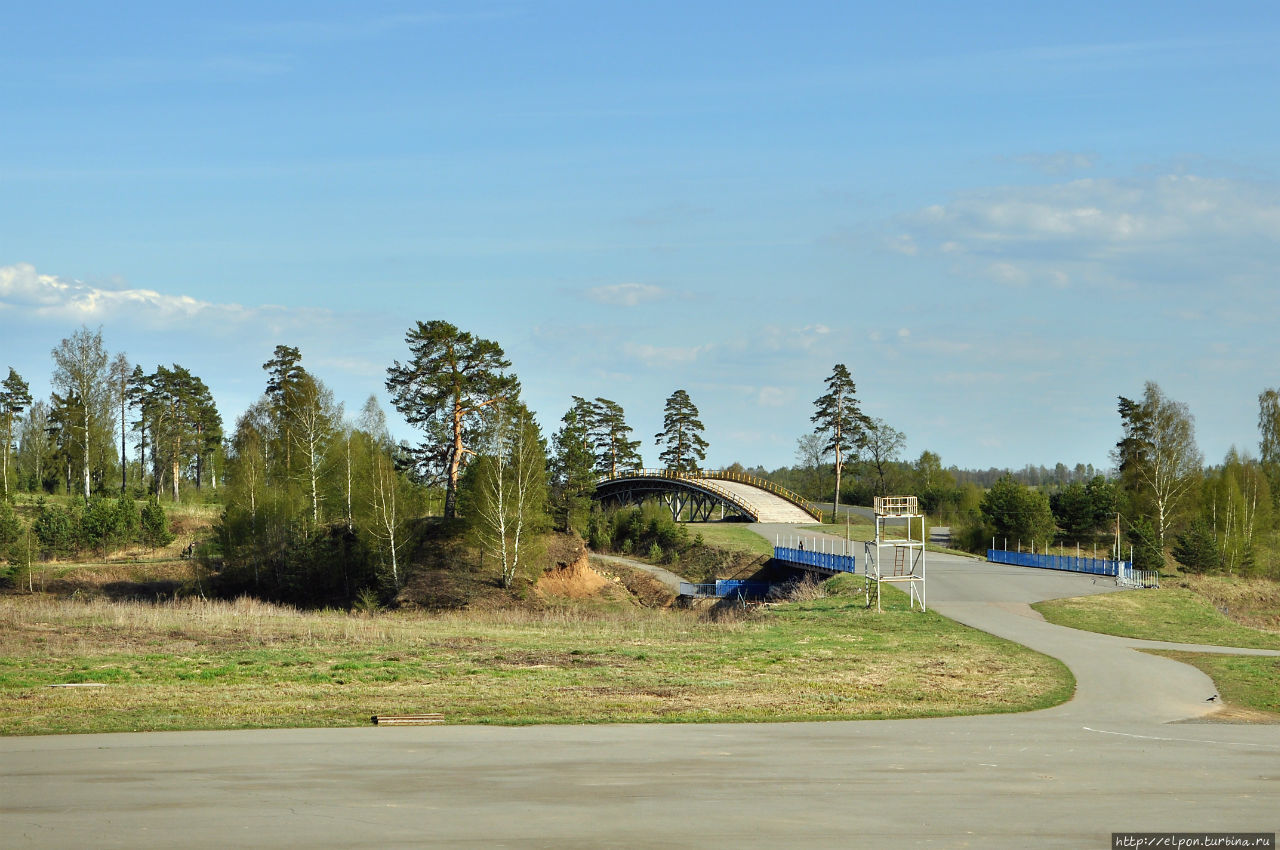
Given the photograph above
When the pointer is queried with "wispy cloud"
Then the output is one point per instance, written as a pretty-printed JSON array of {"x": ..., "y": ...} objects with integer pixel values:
[
  {"x": 1162, "y": 230},
  {"x": 626, "y": 294},
  {"x": 657, "y": 355},
  {"x": 1055, "y": 164},
  {"x": 26, "y": 292}
]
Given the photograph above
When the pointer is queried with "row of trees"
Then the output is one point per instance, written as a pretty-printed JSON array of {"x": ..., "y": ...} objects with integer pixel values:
[
  {"x": 68, "y": 443},
  {"x": 1163, "y": 499}
]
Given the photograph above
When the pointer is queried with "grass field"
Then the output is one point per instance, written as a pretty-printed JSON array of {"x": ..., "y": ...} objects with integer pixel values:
[
  {"x": 199, "y": 664},
  {"x": 730, "y": 535},
  {"x": 1179, "y": 614},
  {"x": 1244, "y": 681}
]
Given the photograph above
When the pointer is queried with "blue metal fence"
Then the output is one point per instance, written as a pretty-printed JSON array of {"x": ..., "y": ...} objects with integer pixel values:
[
  {"x": 726, "y": 587},
  {"x": 1069, "y": 563},
  {"x": 822, "y": 560}
]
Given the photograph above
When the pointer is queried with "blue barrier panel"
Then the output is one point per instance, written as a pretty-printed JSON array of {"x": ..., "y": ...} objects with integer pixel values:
[
  {"x": 1067, "y": 563},
  {"x": 734, "y": 587},
  {"x": 822, "y": 560}
]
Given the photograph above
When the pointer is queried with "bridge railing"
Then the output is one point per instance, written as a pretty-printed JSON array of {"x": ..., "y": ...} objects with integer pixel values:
[
  {"x": 726, "y": 587},
  {"x": 695, "y": 479},
  {"x": 1068, "y": 563},
  {"x": 767, "y": 485},
  {"x": 821, "y": 560},
  {"x": 702, "y": 475}
]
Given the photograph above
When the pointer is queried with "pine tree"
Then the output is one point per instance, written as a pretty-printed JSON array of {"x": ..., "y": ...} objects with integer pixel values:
[
  {"x": 682, "y": 434},
  {"x": 573, "y": 461},
  {"x": 609, "y": 433},
  {"x": 840, "y": 421},
  {"x": 1197, "y": 548},
  {"x": 14, "y": 399},
  {"x": 452, "y": 377}
]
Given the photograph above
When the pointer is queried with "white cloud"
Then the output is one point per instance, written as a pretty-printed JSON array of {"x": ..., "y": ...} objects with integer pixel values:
[
  {"x": 656, "y": 355},
  {"x": 1110, "y": 232},
  {"x": 1057, "y": 163},
  {"x": 26, "y": 291},
  {"x": 626, "y": 294},
  {"x": 771, "y": 397}
]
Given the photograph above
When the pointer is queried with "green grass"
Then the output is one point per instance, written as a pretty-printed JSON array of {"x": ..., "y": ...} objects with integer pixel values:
[
  {"x": 210, "y": 665},
  {"x": 1244, "y": 681},
  {"x": 1170, "y": 613},
  {"x": 729, "y": 535}
]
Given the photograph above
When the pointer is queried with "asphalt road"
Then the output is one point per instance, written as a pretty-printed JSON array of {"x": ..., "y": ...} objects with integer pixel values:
[{"x": 1112, "y": 759}]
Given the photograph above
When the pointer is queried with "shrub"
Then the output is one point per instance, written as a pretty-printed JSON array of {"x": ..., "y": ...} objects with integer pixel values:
[
  {"x": 1197, "y": 548},
  {"x": 54, "y": 528},
  {"x": 154, "y": 525}
]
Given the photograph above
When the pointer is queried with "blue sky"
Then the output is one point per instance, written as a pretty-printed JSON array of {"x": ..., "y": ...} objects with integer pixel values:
[{"x": 1000, "y": 217}]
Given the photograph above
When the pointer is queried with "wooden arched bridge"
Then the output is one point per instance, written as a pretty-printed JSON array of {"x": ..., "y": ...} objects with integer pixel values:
[{"x": 698, "y": 495}]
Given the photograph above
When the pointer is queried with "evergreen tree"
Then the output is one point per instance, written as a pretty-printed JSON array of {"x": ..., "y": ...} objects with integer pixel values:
[
  {"x": 285, "y": 377},
  {"x": 153, "y": 524},
  {"x": 1197, "y": 548},
  {"x": 840, "y": 420},
  {"x": 443, "y": 390},
  {"x": 573, "y": 460},
  {"x": 14, "y": 398},
  {"x": 610, "y": 435},
  {"x": 682, "y": 434}
]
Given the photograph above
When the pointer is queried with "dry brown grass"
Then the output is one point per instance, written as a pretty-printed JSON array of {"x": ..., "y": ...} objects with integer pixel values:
[
  {"x": 197, "y": 663},
  {"x": 1253, "y": 602}
]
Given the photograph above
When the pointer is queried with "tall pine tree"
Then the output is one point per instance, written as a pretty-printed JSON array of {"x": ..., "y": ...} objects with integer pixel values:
[
  {"x": 840, "y": 421},
  {"x": 682, "y": 434},
  {"x": 443, "y": 390}
]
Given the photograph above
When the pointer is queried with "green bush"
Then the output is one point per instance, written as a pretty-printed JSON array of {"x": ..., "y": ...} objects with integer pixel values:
[
  {"x": 1197, "y": 548},
  {"x": 55, "y": 528},
  {"x": 154, "y": 525},
  {"x": 10, "y": 531}
]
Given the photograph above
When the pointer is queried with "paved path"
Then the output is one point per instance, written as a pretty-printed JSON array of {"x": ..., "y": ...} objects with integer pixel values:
[
  {"x": 1109, "y": 760},
  {"x": 668, "y": 578}
]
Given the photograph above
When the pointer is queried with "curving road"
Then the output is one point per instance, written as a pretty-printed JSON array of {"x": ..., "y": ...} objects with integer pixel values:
[{"x": 1112, "y": 759}]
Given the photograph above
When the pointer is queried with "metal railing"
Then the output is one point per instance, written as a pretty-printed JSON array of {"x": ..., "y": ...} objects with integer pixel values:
[
  {"x": 821, "y": 560},
  {"x": 1067, "y": 563},
  {"x": 725, "y": 588},
  {"x": 702, "y": 475}
]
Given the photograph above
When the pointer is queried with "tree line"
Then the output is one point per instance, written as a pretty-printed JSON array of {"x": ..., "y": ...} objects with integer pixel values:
[{"x": 67, "y": 443}]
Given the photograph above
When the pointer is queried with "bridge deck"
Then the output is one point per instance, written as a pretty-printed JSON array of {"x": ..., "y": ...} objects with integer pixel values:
[{"x": 769, "y": 507}]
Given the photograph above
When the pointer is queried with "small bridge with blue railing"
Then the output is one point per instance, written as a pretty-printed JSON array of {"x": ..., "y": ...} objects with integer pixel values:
[
  {"x": 807, "y": 559},
  {"x": 698, "y": 495},
  {"x": 1123, "y": 571}
]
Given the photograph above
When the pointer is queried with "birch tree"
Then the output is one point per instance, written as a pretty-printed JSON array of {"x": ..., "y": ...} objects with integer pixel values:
[
  {"x": 120, "y": 372},
  {"x": 315, "y": 422},
  {"x": 509, "y": 489},
  {"x": 443, "y": 390},
  {"x": 1158, "y": 459},
  {"x": 80, "y": 367},
  {"x": 387, "y": 487},
  {"x": 883, "y": 444}
]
